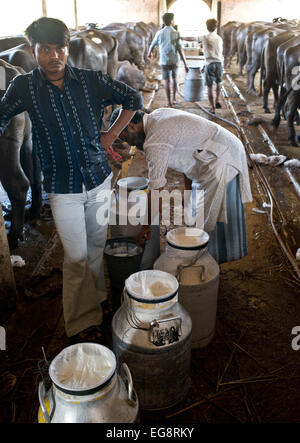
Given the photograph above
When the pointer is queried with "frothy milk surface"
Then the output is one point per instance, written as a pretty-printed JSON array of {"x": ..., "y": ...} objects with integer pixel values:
[
  {"x": 184, "y": 240},
  {"x": 160, "y": 288},
  {"x": 187, "y": 237}
]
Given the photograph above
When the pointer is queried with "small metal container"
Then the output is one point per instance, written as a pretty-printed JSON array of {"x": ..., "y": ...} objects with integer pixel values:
[{"x": 129, "y": 213}]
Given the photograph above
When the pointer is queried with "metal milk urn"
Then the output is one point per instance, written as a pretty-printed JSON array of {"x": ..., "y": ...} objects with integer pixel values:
[
  {"x": 87, "y": 389},
  {"x": 128, "y": 214},
  {"x": 152, "y": 333},
  {"x": 194, "y": 85},
  {"x": 186, "y": 256}
]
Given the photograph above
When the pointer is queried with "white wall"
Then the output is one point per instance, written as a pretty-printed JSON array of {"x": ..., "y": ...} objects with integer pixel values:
[
  {"x": 16, "y": 15},
  {"x": 251, "y": 10},
  {"x": 61, "y": 9},
  {"x": 107, "y": 11}
]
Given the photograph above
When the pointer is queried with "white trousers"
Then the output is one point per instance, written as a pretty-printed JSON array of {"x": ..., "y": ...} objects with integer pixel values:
[{"x": 81, "y": 221}]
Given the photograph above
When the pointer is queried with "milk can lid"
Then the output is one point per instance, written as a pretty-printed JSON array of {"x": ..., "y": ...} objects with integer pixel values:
[
  {"x": 187, "y": 238},
  {"x": 133, "y": 183},
  {"x": 83, "y": 368},
  {"x": 152, "y": 286}
]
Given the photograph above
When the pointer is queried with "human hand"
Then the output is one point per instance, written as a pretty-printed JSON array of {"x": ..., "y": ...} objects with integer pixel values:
[
  {"x": 186, "y": 69},
  {"x": 143, "y": 235},
  {"x": 107, "y": 139}
]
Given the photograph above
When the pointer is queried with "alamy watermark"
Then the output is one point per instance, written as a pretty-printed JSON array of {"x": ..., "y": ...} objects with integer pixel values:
[
  {"x": 2, "y": 339},
  {"x": 132, "y": 207},
  {"x": 296, "y": 340},
  {"x": 2, "y": 79}
]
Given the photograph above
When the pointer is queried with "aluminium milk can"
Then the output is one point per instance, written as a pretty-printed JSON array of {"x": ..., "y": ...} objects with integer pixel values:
[
  {"x": 152, "y": 334},
  {"x": 87, "y": 389},
  {"x": 186, "y": 256},
  {"x": 128, "y": 214},
  {"x": 194, "y": 85}
]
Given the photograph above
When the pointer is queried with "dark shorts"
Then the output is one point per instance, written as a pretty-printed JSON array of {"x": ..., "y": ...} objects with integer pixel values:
[
  {"x": 167, "y": 70},
  {"x": 213, "y": 73}
]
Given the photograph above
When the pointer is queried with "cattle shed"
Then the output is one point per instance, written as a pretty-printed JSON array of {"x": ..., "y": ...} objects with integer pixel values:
[{"x": 194, "y": 317}]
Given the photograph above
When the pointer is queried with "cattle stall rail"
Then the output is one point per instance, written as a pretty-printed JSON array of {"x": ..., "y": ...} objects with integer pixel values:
[
  {"x": 273, "y": 201},
  {"x": 279, "y": 222}
]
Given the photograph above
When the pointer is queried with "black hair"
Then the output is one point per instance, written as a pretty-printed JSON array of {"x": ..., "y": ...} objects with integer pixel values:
[
  {"x": 211, "y": 24},
  {"x": 167, "y": 18},
  {"x": 47, "y": 30},
  {"x": 131, "y": 138},
  {"x": 138, "y": 116}
]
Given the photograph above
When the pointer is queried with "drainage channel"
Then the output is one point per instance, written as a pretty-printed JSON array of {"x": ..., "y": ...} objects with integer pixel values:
[{"x": 275, "y": 215}]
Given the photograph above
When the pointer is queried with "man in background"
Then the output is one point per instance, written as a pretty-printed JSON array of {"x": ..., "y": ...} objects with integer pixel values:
[
  {"x": 212, "y": 45},
  {"x": 168, "y": 42}
]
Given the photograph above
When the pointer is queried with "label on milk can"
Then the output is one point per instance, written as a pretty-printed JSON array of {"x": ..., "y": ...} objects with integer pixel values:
[{"x": 166, "y": 331}]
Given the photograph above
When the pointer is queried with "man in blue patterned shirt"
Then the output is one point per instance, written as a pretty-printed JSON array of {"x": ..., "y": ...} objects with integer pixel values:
[{"x": 66, "y": 107}]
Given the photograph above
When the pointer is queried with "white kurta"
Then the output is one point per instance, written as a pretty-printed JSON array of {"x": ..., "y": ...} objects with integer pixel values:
[{"x": 202, "y": 150}]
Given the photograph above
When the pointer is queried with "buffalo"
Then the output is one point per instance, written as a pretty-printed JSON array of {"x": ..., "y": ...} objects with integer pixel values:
[
  {"x": 19, "y": 169},
  {"x": 131, "y": 44},
  {"x": 290, "y": 91},
  {"x": 269, "y": 72}
]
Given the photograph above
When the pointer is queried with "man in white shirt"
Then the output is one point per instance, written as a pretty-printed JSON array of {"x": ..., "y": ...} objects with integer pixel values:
[
  {"x": 206, "y": 153},
  {"x": 212, "y": 45}
]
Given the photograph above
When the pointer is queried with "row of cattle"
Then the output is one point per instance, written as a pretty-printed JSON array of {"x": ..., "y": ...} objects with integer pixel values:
[
  {"x": 119, "y": 50},
  {"x": 273, "y": 48}
]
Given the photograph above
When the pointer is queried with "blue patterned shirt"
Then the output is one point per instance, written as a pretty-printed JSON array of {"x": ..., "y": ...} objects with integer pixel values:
[{"x": 66, "y": 123}]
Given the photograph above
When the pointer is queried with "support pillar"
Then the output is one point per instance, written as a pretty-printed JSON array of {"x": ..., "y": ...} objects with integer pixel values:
[
  {"x": 44, "y": 6},
  {"x": 76, "y": 14},
  {"x": 162, "y": 9},
  {"x": 219, "y": 15}
]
